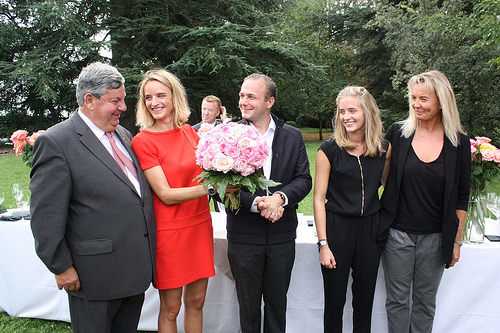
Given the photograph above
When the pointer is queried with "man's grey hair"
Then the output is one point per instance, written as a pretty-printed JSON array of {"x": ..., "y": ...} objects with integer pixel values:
[{"x": 96, "y": 79}]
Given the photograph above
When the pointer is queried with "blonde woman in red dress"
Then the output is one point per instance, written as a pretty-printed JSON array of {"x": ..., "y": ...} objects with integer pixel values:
[{"x": 165, "y": 148}]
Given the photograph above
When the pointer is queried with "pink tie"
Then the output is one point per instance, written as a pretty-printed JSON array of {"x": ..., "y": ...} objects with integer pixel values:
[{"x": 123, "y": 160}]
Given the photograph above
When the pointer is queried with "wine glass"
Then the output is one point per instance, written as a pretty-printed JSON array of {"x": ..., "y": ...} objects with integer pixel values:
[
  {"x": 17, "y": 192},
  {"x": 492, "y": 203},
  {"x": 2, "y": 199}
]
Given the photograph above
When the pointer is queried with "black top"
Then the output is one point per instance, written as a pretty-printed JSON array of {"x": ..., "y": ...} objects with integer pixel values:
[
  {"x": 354, "y": 181},
  {"x": 421, "y": 203},
  {"x": 457, "y": 166}
]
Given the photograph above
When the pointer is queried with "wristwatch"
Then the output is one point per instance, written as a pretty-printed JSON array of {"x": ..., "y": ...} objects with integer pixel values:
[
  {"x": 211, "y": 190},
  {"x": 282, "y": 196},
  {"x": 322, "y": 242}
]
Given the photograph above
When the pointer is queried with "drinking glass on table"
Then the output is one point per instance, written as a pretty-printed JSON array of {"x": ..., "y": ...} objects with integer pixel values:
[
  {"x": 493, "y": 205},
  {"x": 492, "y": 213},
  {"x": 17, "y": 192},
  {"x": 2, "y": 199}
]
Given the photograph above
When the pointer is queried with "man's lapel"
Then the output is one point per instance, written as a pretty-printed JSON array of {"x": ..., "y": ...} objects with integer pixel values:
[
  {"x": 276, "y": 151},
  {"x": 95, "y": 147}
]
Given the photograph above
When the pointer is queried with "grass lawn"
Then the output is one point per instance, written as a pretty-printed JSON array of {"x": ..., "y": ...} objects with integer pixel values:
[
  {"x": 25, "y": 325},
  {"x": 306, "y": 205}
]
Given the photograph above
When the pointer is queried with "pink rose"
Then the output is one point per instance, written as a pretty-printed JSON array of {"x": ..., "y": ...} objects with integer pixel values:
[
  {"x": 482, "y": 139},
  {"x": 488, "y": 155},
  {"x": 19, "y": 139},
  {"x": 232, "y": 146},
  {"x": 19, "y": 135},
  {"x": 491, "y": 155}
]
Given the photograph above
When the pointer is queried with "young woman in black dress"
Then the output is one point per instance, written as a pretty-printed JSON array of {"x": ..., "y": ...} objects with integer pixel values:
[{"x": 349, "y": 170}]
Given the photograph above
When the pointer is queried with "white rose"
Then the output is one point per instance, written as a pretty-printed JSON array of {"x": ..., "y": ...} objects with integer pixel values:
[
  {"x": 245, "y": 142},
  {"x": 223, "y": 163}
]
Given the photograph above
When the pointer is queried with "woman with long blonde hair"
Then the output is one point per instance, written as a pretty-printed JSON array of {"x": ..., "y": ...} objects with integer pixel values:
[
  {"x": 165, "y": 148},
  {"x": 349, "y": 170},
  {"x": 425, "y": 201}
]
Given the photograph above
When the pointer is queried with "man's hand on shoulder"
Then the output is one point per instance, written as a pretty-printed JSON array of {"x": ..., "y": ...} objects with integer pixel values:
[{"x": 68, "y": 280}]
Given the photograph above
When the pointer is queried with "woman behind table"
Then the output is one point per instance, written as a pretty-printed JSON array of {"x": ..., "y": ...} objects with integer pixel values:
[
  {"x": 165, "y": 148},
  {"x": 349, "y": 170},
  {"x": 425, "y": 201}
]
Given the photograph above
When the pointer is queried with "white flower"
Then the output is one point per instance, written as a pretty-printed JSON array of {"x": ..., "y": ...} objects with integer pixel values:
[
  {"x": 246, "y": 142},
  {"x": 223, "y": 163}
]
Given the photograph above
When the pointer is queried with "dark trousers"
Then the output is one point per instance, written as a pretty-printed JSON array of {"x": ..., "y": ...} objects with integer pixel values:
[
  {"x": 112, "y": 316},
  {"x": 352, "y": 241},
  {"x": 262, "y": 272}
]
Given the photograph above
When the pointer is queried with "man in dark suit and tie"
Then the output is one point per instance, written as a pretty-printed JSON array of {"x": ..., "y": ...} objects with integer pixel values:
[
  {"x": 261, "y": 235},
  {"x": 91, "y": 208}
]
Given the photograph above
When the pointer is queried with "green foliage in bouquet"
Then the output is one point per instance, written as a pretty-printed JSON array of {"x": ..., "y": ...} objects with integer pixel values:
[{"x": 221, "y": 181}]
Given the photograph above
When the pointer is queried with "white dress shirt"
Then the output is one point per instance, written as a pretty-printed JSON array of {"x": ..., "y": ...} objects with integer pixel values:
[
  {"x": 101, "y": 136},
  {"x": 269, "y": 138}
]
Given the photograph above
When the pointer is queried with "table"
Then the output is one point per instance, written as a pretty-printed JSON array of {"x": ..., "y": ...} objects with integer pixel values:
[{"x": 468, "y": 298}]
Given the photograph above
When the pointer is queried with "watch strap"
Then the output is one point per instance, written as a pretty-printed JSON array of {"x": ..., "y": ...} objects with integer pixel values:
[{"x": 321, "y": 243}]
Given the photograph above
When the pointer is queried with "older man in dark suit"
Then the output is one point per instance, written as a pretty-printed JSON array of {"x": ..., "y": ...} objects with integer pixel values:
[
  {"x": 261, "y": 235},
  {"x": 91, "y": 208}
]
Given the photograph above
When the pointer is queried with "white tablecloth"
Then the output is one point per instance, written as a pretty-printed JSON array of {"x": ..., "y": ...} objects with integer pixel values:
[{"x": 468, "y": 299}]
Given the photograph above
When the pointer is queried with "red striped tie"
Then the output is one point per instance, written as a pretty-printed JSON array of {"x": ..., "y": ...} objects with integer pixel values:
[{"x": 123, "y": 160}]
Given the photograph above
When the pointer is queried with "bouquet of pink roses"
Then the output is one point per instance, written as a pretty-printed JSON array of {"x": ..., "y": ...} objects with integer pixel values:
[
  {"x": 233, "y": 155},
  {"x": 23, "y": 144},
  {"x": 485, "y": 164}
]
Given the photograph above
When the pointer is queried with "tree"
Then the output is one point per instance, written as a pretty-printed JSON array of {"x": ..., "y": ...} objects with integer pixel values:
[
  {"x": 210, "y": 45},
  {"x": 385, "y": 42},
  {"x": 305, "y": 24},
  {"x": 451, "y": 39},
  {"x": 361, "y": 42},
  {"x": 40, "y": 56},
  {"x": 210, "y": 53}
]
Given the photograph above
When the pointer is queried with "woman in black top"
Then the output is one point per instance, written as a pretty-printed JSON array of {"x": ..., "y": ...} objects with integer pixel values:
[
  {"x": 346, "y": 204},
  {"x": 425, "y": 202}
]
